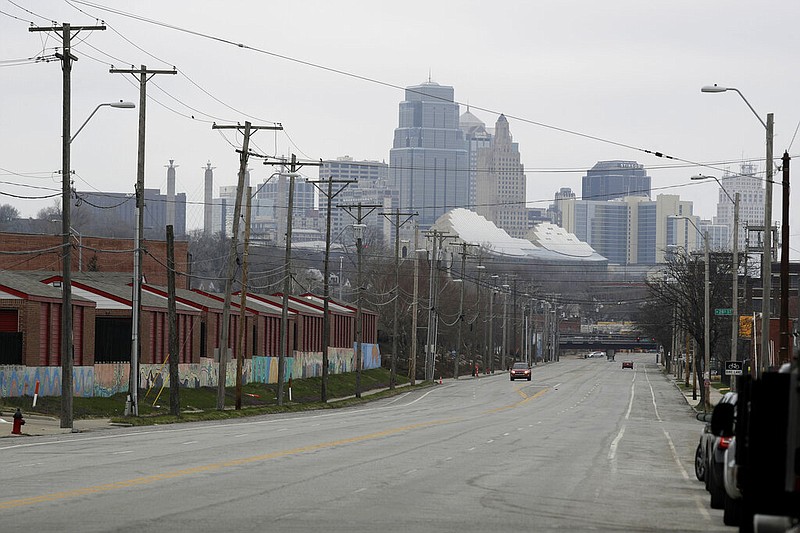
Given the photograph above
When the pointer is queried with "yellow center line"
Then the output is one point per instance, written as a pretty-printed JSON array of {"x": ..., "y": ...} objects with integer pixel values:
[
  {"x": 144, "y": 480},
  {"x": 525, "y": 399}
]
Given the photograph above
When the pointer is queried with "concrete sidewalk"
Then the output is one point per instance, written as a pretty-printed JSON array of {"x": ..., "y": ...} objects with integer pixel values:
[
  {"x": 38, "y": 425},
  {"x": 714, "y": 393}
]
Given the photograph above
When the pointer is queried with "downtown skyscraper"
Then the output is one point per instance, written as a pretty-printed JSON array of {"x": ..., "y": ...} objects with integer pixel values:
[{"x": 429, "y": 162}]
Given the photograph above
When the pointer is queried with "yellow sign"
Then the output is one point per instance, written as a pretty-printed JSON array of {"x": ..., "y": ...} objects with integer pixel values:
[{"x": 746, "y": 326}]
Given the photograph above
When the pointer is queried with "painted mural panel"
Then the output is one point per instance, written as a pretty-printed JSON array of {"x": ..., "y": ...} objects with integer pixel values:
[
  {"x": 307, "y": 365},
  {"x": 16, "y": 380},
  {"x": 111, "y": 378},
  {"x": 370, "y": 356},
  {"x": 341, "y": 360}
]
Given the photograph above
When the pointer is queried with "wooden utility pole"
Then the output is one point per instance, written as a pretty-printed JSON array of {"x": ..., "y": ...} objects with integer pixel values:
[
  {"x": 461, "y": 306},
  {"x": 412, "y": 357},
  {"x": 397, "y": 226},
  {"x": 246, "y": 131},
  {"x": 326, "y": 320},
  {"x": 174, "y": 383},
  {"x": 358, "y": 229},
  {"x": 783, "y": 352},
  {"x": 243, "y": 303},
  {"x": 294, "y": 167},
  {"x": 67, "y": 349},
  {"x": 144, "y": 75}
]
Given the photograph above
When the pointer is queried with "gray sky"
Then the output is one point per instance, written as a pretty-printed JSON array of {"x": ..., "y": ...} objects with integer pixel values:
[{"x": 626, "y": 73}]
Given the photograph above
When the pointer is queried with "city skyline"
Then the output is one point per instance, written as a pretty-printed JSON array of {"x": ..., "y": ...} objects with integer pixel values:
[{"x": 573, "y": 94}]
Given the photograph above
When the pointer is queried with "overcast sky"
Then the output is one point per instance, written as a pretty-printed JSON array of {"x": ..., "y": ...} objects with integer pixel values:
[{"x": 580, "y": 80}]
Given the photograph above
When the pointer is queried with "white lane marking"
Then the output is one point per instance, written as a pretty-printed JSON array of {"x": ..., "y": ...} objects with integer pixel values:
[
  {"x": 190, "y": 442},
  {"x": 653, "y": 394},
  {"x": 612, "y": 452},
  {"x": 362, "y": 489},
  {"x": 470, "y": 449},
  {"x": 630, "y": 403},
  {"x": 30, "y": 464},
  {"x": 506, "y": 434},
  {"x": 489, "y": 441},
  {"x": 702, "y": 506},
  {"x": 239, "y": 436},
  {"x": 122, "y": 452},
  {"x": 282, "y": 429},
  {"x": 675, "y": 455},
  {"x": 410, "y": 472},
  {"x": 448, "y": 459}
]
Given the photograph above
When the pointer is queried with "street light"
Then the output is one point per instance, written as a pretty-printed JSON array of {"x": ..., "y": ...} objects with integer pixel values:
[
  {"x": 766, "y": 257},
  {"x": 66, "y": 265},
  {"x": 734, "y": 271},
  {"x": 118, "y": 105},
  {"x": 706, "y": 319}
]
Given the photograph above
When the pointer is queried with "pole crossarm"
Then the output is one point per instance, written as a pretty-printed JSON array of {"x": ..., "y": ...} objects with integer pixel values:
[{"x": 295, "y": 164}]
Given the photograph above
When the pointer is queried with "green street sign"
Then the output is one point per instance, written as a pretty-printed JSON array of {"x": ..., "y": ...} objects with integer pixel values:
[{"x": 723, "y": 312}]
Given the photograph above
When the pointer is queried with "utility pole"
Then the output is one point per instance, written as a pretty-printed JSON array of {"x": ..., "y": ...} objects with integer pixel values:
[
  {"x": 735, "y": 280},
  {"x": 243, "y": 303},
  {"x": 397, "y": 225},
  {"x": 783, "y": 353},
  {"x": 294, "y": 167},
  {"x": 766, "y": 259},
  {"x": 461, "y": 306},
  {"x": 412, "y": 363},
  {"x": 358, "y": 230},
  {"x": 490, "y": 342},
  {"x": 503, "y": 364},
  {"x": 136, "y": 307},
  {"x": 174, "y": 385},
  {"x": 326, "y": 324},
  {"x": 67, "y": 349},
  {"x": 244, "y": 153}
]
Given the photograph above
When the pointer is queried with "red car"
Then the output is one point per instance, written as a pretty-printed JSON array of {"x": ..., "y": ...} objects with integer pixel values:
[
  {"x": 520, "y": 370},
  {"x": 627, "y": 364}
]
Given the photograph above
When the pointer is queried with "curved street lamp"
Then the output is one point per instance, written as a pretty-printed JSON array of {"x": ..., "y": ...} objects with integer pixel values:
[
  {"x": 66, "y": 264},
  {"x": 766, "y": 258}
]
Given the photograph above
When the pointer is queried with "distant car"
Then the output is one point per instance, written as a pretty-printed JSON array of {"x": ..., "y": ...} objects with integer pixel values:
[
  {"x": 520, "y": 370},
  {"x": 627, "y": 364}
]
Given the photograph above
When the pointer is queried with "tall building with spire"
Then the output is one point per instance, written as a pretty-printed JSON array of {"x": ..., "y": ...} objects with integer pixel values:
[
  {"x": 428, "y": 162},
  {"x": 500, "y": 182}
]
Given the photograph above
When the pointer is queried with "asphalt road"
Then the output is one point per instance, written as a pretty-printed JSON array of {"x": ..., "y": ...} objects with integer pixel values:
[{"x": 585, "y": 445}]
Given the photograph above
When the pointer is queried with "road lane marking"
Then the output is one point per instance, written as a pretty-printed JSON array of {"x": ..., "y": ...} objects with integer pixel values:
[
  {"x": 517, "y": 404},
  {"x": 362, "y": 489},
  {"x": 675, "y": 455},
  {"x": 630, "y": 403},
  {"x": 702, "y": 506},
  {"x": 189, "y": 442},
  {"x": 154, "y": 478},
  {"x": 653, "y": 394},
  {"x": 122, "y": 452}
]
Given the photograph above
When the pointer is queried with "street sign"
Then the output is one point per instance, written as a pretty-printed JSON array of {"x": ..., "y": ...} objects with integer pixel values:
[
  {"x": 725, "y": 311},
  {"x": 733, "y": 368}
]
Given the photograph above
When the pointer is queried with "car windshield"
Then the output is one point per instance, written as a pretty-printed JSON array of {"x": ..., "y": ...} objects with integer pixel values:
[{"x": 520, "y": 365}]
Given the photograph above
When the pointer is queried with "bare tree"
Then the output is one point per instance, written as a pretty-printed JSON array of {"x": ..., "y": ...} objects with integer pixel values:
[
  {"x": 680, "y": 291},
  {"x": 8, "y": 213}
]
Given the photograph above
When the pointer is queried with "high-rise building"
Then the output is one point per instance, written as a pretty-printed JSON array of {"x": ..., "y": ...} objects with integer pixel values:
[
  {"x": 372, "y": 188},
  {"x": 476, "y": 137},
  {"x": 428, "y": 162},
  {"x": 751, "y": 202},
  {"x": 609, "y": 180},
  {"x": 500, "y": 182},
  {"x": 632, "y": 230}
]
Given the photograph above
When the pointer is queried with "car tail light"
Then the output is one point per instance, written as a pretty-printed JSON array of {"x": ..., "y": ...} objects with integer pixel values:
[{"x": 724, "y": 442}]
